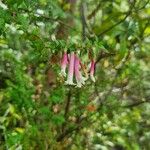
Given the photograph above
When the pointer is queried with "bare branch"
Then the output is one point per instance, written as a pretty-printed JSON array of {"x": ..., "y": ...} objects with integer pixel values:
[
  {"x": 135, "y": 104},
  {"x": 82, "y": 8},
  {"x": 104, "y": 55},
  {"x": 93, "y": 13},
  {"x": 67, "y": 103},
  {"x": 119, "y": 22}
]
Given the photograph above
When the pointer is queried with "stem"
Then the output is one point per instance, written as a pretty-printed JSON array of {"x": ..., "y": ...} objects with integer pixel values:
[
  {"x": 119, "y": 22},
  {"x": 67, "y": 106},
  {"x": 83, "y": 20},
  {"x": 67, "y": 103},
  {"x": 93, "y": 13}
]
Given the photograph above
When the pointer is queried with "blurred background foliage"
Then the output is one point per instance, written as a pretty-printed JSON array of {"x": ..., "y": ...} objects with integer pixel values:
[{"x": 38, "y": 111}]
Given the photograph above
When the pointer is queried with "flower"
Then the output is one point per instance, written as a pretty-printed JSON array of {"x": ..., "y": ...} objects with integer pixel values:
[
  {"x": 74, "y": 67},
  {"x": 71, "y": 69},
  {"x": 79, "y": 78},
  {"x": 64, "y": 63},
  {"x": 92, "y": 70}
]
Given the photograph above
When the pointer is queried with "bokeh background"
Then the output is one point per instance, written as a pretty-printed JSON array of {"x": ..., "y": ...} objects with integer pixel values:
[{"x": 38, "y": 111}]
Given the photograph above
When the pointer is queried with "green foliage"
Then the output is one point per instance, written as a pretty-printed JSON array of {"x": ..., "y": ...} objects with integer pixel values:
[{"x": 38, "y": 110}]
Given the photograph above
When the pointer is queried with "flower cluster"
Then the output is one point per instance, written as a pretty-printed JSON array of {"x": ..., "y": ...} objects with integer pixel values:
[{"x": 74, "y": 69}]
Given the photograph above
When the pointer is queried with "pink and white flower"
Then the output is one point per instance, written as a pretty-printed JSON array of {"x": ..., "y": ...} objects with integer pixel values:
[
  {"x": 74, "y": 68},
  {"x": 64, "y": 63},
  {"x": 92, "y": 70},
  {"x": 71, "y": 69},
  {"x": 79, "y": 78}
]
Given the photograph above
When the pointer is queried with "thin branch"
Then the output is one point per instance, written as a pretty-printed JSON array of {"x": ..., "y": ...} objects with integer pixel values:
[
  {"x": 113, "y": 26},
  {"x": 93, "y": 13},
  {"x": 147, "y": 2},
  {"x": 104, "y": 55},
  {"x": 58, "y": 20},
  {"x": 119, "y": 22},
  {"x": 67, "y": 103},
  {"x": 135, "y": 104},
  {"x": 66, "y": 133},
  {"x": 139, "y": 102},
  {"x": 48, "y": 18},
  {"x": 67, "y": 106},
  {"x": 82, "y": 9},
  {"x": 69, "y": 131}
]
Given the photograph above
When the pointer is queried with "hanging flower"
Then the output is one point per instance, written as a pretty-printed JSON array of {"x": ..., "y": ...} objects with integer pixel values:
[
  {"x": 92, "y": 70},
  {"x": 71, "y": 69},
  {"x": 79, "y": 78},
  {"x": 75, "y": 66},
  {"x": 64, "y": 63}
]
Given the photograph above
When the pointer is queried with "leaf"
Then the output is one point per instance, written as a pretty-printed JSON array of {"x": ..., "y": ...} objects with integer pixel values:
[
  {"x": 123, "y": 46},
  {"x": 2, "y": 24},
  {"x": 23, "y": 21},
  {"x": 45, "y": 110},
  {"x": 20, "y": 130},
  {"x": 58, "y": 119}
]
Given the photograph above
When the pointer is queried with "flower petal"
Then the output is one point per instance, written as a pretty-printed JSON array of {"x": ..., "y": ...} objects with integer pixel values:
[{"x": 71, "y": 69}]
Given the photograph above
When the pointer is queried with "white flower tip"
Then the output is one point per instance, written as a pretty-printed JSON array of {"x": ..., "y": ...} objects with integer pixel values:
[
  {"x": 85, "y": 78},
  {"x": 79, "y": 85},
  {"x": 83, "y": 82},
  {"x": 69, "y": 83},
  {"x": 93, "y": 79}
]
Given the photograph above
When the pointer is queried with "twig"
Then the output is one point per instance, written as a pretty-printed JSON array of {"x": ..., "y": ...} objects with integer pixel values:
[
  {"x": 135, "y": 104},
  {"x": 66, "y": 109},
  {"x": 66, "y": 133},
  {"x": 48, "y": 18},
  {"x": 83, "y": 21},
  {"x": 104, "y": 55},
  {"x": 139, "y": 102},
  {"x": 67, "y": 104},
  {"x": 147, "y": 2},
  {"x": 119, "y": 22},
  {"x": 93, "y": 13},
  {"x": 70, "y": 130}
]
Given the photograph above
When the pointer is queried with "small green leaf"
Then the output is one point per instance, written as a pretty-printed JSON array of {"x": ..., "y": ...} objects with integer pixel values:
[{"x": 58, "y": 119}]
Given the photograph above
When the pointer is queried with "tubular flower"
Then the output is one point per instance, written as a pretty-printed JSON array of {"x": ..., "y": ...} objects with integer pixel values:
[
  {"x": 92, "y": 70},
  {"x": 64, "y": 63},
  {"x": 71, "y": 69},
  {"x": 79, "y": 78}
]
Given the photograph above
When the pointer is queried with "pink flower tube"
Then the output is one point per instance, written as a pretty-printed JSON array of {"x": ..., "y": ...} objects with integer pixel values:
[
  {"x": 64, "y": 63},
  {"x": 79, "y": 78},
  {"x": 92, "y": 70},
  {"x": 71, "y": 69}
]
